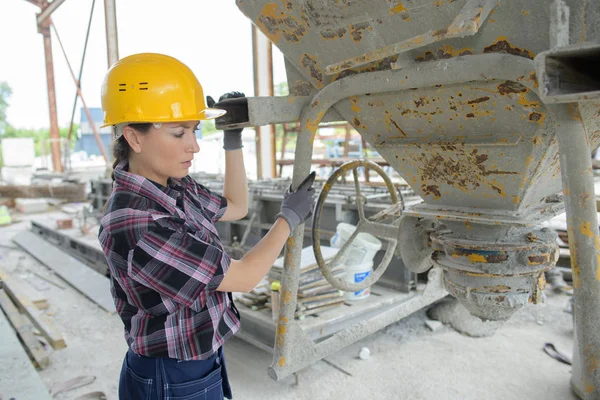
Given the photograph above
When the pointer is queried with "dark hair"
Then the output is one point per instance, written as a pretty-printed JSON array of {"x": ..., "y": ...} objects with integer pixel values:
[{"x": 121, "y": 149}]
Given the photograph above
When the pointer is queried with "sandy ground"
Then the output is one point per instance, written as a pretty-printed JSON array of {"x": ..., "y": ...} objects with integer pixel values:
[{"x": 408, "y": 360}]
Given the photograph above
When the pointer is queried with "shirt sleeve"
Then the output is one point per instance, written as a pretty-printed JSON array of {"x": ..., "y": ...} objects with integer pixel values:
[
  {"x": 214, "y": 204},
  {"x": 172, "y": 261}
]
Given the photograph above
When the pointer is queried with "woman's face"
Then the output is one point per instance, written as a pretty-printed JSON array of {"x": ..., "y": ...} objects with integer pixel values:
[{"x": 164, "y": 153}]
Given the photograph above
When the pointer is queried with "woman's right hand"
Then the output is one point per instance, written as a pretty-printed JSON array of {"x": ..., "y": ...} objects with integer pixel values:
[{"x": 297, "y": 206}]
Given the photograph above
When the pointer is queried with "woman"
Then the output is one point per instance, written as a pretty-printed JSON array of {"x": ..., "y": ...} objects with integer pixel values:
[{"x": 171, "y": 280}]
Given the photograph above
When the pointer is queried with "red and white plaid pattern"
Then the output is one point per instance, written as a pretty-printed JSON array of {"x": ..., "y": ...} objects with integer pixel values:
[{"x": 166, "y": 261}]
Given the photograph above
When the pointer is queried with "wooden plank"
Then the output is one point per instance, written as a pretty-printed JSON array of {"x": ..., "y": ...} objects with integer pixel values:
[
  {"x": 90, "y": 283},
  {"x": 19, "y": 378},
  {"x": 19, "y": 286},
  {"x": 23, "y": 327},
  {"x": 46, "y": 328}
]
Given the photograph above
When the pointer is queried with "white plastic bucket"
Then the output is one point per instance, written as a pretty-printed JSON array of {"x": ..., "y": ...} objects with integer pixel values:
[
  {"x": 357, "y": 273},
  {"x": 362, "y": 250}
]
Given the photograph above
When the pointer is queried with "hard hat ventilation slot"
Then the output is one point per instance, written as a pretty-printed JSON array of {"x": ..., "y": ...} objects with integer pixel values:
[
  {"x": 142, "y": 87},
  {"x": 122, "y": 87}
]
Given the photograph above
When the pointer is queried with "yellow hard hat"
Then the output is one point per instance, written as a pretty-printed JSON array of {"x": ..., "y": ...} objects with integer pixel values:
[{"x": 150, "y": 87}]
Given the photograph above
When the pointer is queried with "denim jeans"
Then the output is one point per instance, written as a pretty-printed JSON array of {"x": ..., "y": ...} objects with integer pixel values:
[{"x": 158, "y": 378}]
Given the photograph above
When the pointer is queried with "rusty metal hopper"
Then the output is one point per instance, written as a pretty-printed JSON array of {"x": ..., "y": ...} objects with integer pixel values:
[{"x": 447, "y": 92}]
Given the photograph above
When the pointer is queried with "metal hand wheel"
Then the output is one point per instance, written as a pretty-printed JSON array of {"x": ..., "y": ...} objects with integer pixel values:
[{"x": 379, "y": 230}]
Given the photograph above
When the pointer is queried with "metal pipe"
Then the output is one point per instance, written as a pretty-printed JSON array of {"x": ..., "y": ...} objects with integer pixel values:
[
  {"x": 584, "y": 238},
  {"x": 47, "y": 10},
  {"x": 286, "y": 325},
  {"x": 112, "y": 39},
  {"x": 54, "y": 130},
  {"x": 87, "y": 36}
]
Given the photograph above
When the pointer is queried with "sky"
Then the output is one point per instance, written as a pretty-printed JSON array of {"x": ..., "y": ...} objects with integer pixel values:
[{"x": 212, "y": 37}]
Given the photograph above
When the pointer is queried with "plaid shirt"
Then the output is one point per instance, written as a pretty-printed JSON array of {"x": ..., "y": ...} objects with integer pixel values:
[{"x": 166, "y": 261}]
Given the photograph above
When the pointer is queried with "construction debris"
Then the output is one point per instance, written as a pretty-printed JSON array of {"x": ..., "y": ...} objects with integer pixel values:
[
  {"x": 67, "y": 191},
  {"x": 315, "y": 294},
  {"x": 23, "y": 327},
  {"x": 19, "y": 378},
  {"x": 25, "y": 305},
  {"x": 30, "y": 206},
  {"x": 93, "y": 285}
]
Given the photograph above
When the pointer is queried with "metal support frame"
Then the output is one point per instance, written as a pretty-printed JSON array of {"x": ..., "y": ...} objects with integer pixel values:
[
  {"x": 584, "y": 239},
  {"x": 112, "y": 38},
  {"x": 48, "y": 10},
  {"x": 262, "y": 57},
  {"x": 44, "y": 29},
  {"x": 293, "y": 349}
]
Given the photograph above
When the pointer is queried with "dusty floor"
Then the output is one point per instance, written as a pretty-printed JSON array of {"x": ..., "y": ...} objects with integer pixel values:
[{"x": 408, "y": 360}]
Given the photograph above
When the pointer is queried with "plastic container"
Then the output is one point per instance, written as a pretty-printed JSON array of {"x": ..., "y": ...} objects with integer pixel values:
[
  {"x": 357, "y": 273},
  {"x": 362, "y": 250}
]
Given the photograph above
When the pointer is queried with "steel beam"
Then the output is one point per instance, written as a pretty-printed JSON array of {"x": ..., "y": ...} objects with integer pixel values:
[
  {"x": 262, "y": 56},
  {"x": 48, "y": 9},
  {"x": 54, "y": 130},
  {"x": 112, "y": 39}
]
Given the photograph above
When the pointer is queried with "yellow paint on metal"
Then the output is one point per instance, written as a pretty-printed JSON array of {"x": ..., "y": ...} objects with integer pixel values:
[
  {"x": 584, "y": 228},
  {"x": 477, "y": 258},
  {"x": 397, "y": 8},
  {"x": 354, "y": 104},
  {"x": 597, "y": 257}
]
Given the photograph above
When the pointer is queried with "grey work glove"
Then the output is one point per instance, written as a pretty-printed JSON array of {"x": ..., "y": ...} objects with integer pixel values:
[
  {"x": 297, "y": 206},
  {"x": 232, "y": 138}
]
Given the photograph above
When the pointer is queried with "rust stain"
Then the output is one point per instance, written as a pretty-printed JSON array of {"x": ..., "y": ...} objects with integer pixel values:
[
  {"x": 467, "y": 225},
  {"x": 381, "y": 65},
  {"x": 573, "y": 111},
  {"x": 389, "y": 122},
  {"x": 538, "y": 259},
  {"x": 332, "y": 34},
  {"x": 584, "y": 228},
  {"x": 478, "y": 100},
  {"x": 419, "y": 102},
  {"x": 533, "y": 78},
  {"x": 502, "y": 45},
  {"x": 537, "y": 117},
  {"x": 281, "y": 22},
  {"x": 583, "y": 36},
  {"x": 536, "y": 140},
  {"x": 356, "y": 30},
  {"x": 357, "y": 123},
  {"x": 312, "y": 67},
  {"x": 574, "y": 262},
  {"x": 432, "y": 190},
  {"x": 354, "y": 104},
  {"x": 282, "y": 362},
  {"x": 516, "y": 199},
  {"x": 511, "y": 87},
  {"x": 444, "y": 52},
  {"x": 525, "y": 12},
  {"x": 470, "y": 115},
  {"x": 497, "y": 289}
]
